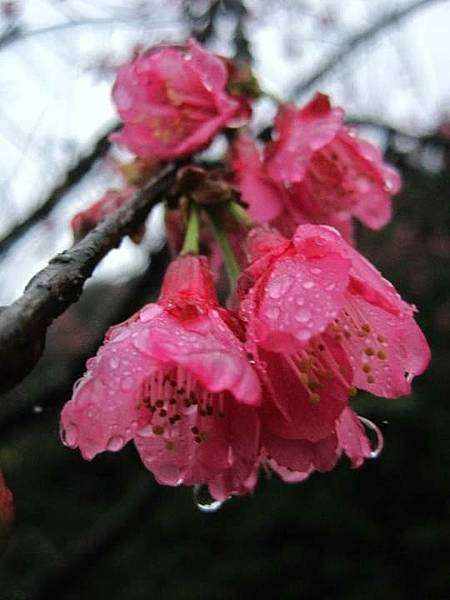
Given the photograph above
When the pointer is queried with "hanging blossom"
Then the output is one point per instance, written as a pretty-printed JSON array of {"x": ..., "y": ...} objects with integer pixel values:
[
  {"x": 321, "y": 322},
  {"x": 175, "y": 379},
  {"x": 174, "y": 101},
  {"x": 6, "y": 504},
  {"x": 315, "y": 171},
  {"x": 316, "y": 290}
]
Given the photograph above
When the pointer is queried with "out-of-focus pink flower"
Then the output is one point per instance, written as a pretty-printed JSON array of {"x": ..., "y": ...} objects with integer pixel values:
[
  {"x": 6, "y": 504},
  {"x": 262, "y": 194},
  {"x": 173, "y": 102},
  {"x": 316, "y": 171},
  {"x": 330, "y": 171},
  {"x": 175, "y": 378},
  {"x": 317, "y": 302},
  {"x": 87, "y": 219}
]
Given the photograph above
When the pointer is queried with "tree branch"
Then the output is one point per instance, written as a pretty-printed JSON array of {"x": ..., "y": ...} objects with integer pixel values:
[
  {"x": 16, "y": 408},
  {"x": 385, "y": 21},
  {"x": 17, "y": 34},
  {"x": 23, "y": 324},
  {"x": 73, "y": 176}
]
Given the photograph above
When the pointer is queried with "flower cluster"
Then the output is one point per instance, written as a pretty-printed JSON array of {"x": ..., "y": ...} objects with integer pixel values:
[
  {"x": 213, "y": 395},
  {"x": 315, "y": 171}
]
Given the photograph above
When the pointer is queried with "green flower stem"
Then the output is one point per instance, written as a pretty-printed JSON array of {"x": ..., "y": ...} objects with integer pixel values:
[
  {"x": 190, "y": 245},
  {"x": 272, "y": 96},
  {"x": 239, "y": 214},
  {"x": 229, "y": 258}
]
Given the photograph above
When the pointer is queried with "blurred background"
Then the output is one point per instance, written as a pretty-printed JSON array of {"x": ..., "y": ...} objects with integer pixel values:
[{"x": 105, "y": 529}]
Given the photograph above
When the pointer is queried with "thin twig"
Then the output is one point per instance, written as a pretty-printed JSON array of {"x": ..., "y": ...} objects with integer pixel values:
[
  {"x": 73, "y": 176},
  {"x": 385, "y": 21},
  {"x": 23, "y": 324},
  {"x": 18, "y": 34}
]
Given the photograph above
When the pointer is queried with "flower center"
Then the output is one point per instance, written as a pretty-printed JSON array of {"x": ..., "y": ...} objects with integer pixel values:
[{"x": 177, "y": 400}]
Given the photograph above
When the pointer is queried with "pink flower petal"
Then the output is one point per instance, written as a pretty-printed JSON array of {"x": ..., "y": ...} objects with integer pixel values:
[
  {"x": 301, "y": 133},
  {"x": 305, "y": 405},
  {"x": 103, "y": 413},
  {"x": 207, "y": 348},
  {"x": 386, "y": 351},
  {"x": 351, "y": 437},
  {"x": 301, "y": 297}
]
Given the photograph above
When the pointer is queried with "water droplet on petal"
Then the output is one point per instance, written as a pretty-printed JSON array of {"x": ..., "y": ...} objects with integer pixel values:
[
  {"x": 316, "y": 271},
  {"x": 374, "y": 436},
  {"x": 115, "y": 443},
  {"x": 69, "y": 435},
  {"x": 204, "y": 501},
  {"x": 273, "y": 312},
  {"x": 145, "y": 431},
  {"x": 168, "y": 473},
  {"x": 279, "y": 287},
  {"x": 308, "y": 285},
  {"x": 302, "y": 316},
  {"x": 127, "y": 384},
  {"x": 113, "y": 362}
]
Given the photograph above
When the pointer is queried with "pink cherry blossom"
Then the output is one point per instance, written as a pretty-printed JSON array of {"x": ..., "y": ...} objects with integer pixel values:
[
  {"x": 325, "y": 309},
  {"x": 329, "y": 171},
  {"x": 174, "y": 378},
  {"x": 294, "y": 460},
  {"x": 6, "y": 503},
  {"x": 87, "y": 219},
  {"x": 315, "y": 171},
  {"x": 173, "y": 101}
]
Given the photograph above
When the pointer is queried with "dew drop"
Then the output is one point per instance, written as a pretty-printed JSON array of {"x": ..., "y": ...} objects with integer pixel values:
[
  {"x": 167, "y": 473},
  {"x": 302, "y": 316},
  {"x": 113, "y": 362},
  {"x": 204, "y": 501},
  {"x": 127, "y": 384},
  {"x": 279, "y": 287},
  {"x": 115, "y": 443},
  {"x": 308, "y": 285},
  {"x": 37, "y": 409},
  {"x": 316, "y": 271},
  {"x": 303, "y": 335},
  {"x": 374, "y": 435},
  {"x": 146, "y": 431},
  {"x": 69, "y": 435},
  {"x": 330, "y": 287},
  {"x": 273, "y": 312}
]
